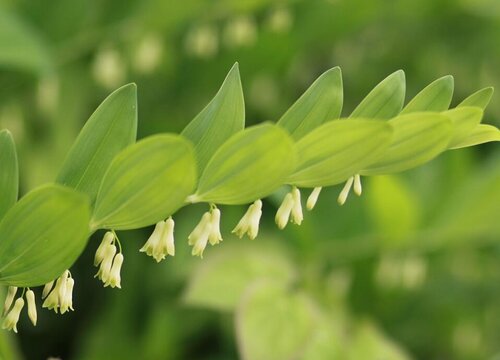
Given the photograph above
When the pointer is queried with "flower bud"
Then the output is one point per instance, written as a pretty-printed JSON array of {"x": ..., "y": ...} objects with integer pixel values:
[
  {"x": 30, "y": 297},
  {"x": 10, "y": 321}
]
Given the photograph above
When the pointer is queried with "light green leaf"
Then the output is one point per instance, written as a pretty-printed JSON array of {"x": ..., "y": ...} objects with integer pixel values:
[
  {"x": 480, "y": 98},
  {"x": 249, "y": 166},
  {"x": 481, "y": 134},
  {"x": 219, "y": 281},
  {"x": 370, "y": 343},
  {"x": 110, "y": 129},
  {"x": 338, "y": 149},
  {"x": 9, "y": 172},
  {"x": 145, "y": 183},
  {"x": 464, "y": 120},
  {"x": 219, "y": 120},
  {"x": 320, "y": 103},
  {"x": 435, "y": 97},
  {"x": 21, "y": 46},
  {"x": 273, "y": 323},
  {"x": 385, "y": 100},
  {"x": 42, "y": 235},
  {"x": 417, "y": 139}
]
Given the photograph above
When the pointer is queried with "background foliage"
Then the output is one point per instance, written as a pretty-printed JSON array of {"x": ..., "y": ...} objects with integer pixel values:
[{"x": 409, "y": 270}]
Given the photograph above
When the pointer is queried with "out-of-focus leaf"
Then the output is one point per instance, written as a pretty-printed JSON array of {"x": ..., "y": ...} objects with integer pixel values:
[
  {"x": 145, "y": 183},
  {"x": 219, "y": 120},
  {"x": 110, "y": 129},
  {"x": 219, "y": 281},
  {"x": 42, "y": 235},
  {"x": 394, "y": 208},
  {"x": 434, "y": 97},
  {"x": 481, "y": 134},
  {"x": 417, "y": 139},
  {"x": 464, "y": 120},
  {"x": 9, "y": 172},
  {"x": 250, "y": 165},
  {"x": 338, "y": 149},
  {"x": 385, "y": 100},
  {"x": 273, "y": 323},
  {"x": 369, "y": 343},
  {"x": 328, "y": 340},
  {"x": 320, "y": 103},
  {"x": 21, "y": 47},
  {"x": 480, "y": 98}
]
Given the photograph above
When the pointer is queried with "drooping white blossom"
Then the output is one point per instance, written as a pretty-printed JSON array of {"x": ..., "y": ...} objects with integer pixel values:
[
  {"x": 114, "y": 278},
  {"x": 30, "y": 297},
  {"x": 47, "y": 288},
  {"x": 199, "y": 236},
  {"x": 66, "y": 302},
  {"x": 297, "y": 215},
  {"x": 9, "y": 299},
  {"x": 153, "y": 246},
  {"x": 249, "y": 223},
  {"x": 108, "y": 239},
  {"x": 357, "y": 185},
  {"x": 313, "y": 198},
  {"x": 215, "y": 236},
  {"x": 345, "y": 191},
  {"x": 284, "y": 211},
  {"x": 10, "y": 321},
  {"x": 105, "y": 268}
]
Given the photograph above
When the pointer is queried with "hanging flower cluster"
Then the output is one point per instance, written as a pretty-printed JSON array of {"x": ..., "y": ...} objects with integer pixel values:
[{"x": 109, "y": 262}]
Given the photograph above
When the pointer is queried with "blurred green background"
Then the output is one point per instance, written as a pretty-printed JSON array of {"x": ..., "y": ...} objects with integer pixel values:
[{"x": 411, "y": 270}]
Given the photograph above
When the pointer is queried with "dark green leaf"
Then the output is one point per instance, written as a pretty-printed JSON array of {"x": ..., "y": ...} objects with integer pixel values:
[
  {"x": 219, "y": 120},
  {"x": 320, "y": 103},
  {"x": 110, "y": 129}
]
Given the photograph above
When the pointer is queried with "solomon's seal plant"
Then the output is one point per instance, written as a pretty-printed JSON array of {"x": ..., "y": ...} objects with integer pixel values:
[{"x": 109, "y": 181}]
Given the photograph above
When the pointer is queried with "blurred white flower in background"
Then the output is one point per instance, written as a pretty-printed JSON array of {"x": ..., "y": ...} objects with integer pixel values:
[
  {"x": 202, "y": 41},
  {"x": 148, "y": 54},
  {"x": 109, "y": 69},
  {"x": 240, "y": 31},
  {"x": 280, "y": 20}
]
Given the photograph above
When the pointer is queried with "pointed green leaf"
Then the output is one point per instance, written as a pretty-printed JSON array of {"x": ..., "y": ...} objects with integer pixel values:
[
  {"x": 338, "y": 149},
  {"x": 249, "y": 166},
  {"x": 42, "y": 235},
  {"x": 417, "y": 139},
  {"x": 9, "y": 172},
  {"x": 145, "y": 183},
  {"x": 464, "y": 120},
  {"x": 273, "y": 323},
  {"x": 435, "y": 97},
  {"x": 481, "y": 134},
  {"x": 320, "y": 103},
  {"x": 480, "y": 98},
  {"x": 220, "y": 281},
  {"x": 385, "y": 100},
  {"x": 110, "y": 129},
  {"x": 219, "y": 120}
]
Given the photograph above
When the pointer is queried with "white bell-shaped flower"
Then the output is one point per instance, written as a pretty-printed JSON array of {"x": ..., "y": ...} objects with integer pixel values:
[
  {"x": 107, "y": 262},
  {"x": 345, "y": 191},
  {"x": 10, "y": 321},
  {"x": 9, "y": 299},
  {"x": 249, "y": 223},
  {"x": 199, "y": 236},
  {"x": 313, "y": 198},
  {"x": 114, "y": 279},
  {"x": 30, "y": 297},
  {"x": 66, "y": 303},
  {"x": 152, "y": 247},
  {"x": 99, "y": 254},
  {"x": 215, "y": 236},
  {"x": 47, "y": 288},
  {"x": 296, "y": 213},
  {"x": 284, "y": 211}
]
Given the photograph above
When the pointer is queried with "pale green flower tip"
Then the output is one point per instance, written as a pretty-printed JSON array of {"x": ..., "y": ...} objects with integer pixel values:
[
  {"x": 357, "y": 185},
  {"x": 9, "y": 299},
  {"x": 32, "y": 314},
  {"x": 12, "y": 318},
  {"x": 313, "y": 198}
]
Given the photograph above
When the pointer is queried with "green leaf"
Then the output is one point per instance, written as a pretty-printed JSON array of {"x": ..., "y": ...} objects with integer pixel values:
[
  {"x": 417, "y": 139},
  {"x": 250, "y": 165},
  {"x": 219, "y": 281},
  {"x": 219, "y": 120},
  {"x": 481, "y": 134},
  {"x": 21, "y": 46},
  {"x": 273, "y": 323},
  {"x": 320, "y": 103},
  {"x": 480, "y": 98},
  {"x": 435, "y": 97},
  {"x": 42, "y": 235},
  {"x": 9, "y": 172},
  {"x": 385, "y": 100},
  {"x": 338, "y": 149},
  {"x": 464, "y": 120},
  {"x": 369, "y": 342},
  {"x": 145, "y": 183},
  {"x": 110, "y": 129}
]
